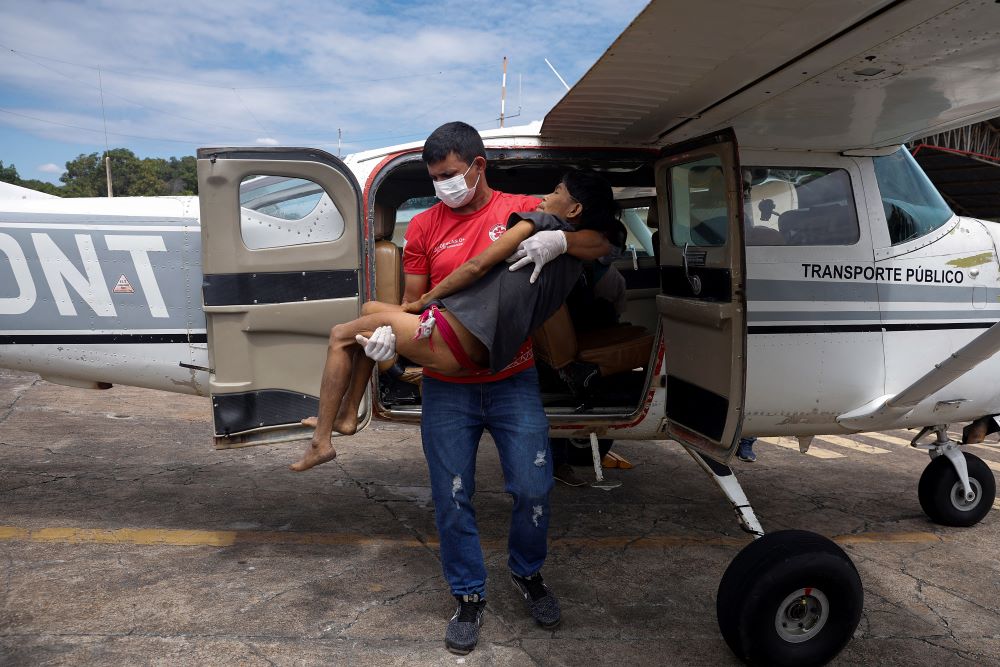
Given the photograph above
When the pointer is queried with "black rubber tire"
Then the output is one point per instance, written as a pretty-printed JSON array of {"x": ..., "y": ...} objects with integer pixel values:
[
  {"x": 937, "y": 483},
  {"x": 579, "y": 450},
  {"x": 763, "y": 574}
]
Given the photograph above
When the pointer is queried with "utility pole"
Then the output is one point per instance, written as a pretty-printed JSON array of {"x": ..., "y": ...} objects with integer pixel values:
[
  {"x": 503, "y": 90},
  {"x": 107, "y": 169}
]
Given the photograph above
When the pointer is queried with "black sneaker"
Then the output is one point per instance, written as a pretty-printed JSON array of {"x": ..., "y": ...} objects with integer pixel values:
[
  {"x": 541, "y": 601},
  {"x": 564, "y": 473},
  {"x": 579, "y": 376},
  {"x": 463, "y": 628}
]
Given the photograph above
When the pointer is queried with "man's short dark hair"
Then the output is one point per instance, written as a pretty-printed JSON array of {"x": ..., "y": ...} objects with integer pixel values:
[{"x": 456, "y": 137}]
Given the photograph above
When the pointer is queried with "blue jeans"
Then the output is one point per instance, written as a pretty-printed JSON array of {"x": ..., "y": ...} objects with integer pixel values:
[{"x": 453, "y": 420}]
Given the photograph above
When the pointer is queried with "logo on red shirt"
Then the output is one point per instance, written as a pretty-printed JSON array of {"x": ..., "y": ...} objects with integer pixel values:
[
  {"x": 497, "y": 231},
  {"x": 454, "y": 243}
]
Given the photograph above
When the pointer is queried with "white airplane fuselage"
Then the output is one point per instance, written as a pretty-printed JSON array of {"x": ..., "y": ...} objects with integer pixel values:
[{"x": 109, "y": 291}]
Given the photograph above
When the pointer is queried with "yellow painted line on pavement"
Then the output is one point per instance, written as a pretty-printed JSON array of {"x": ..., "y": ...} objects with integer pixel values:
[
  {"x": 172, "y": 537},
  {"x": 793, "y": 443},
  {"x": 893, "y": 538},
  {"x": 226, "y": 538},
  {"x": 852, "y": 444},
  {"x": 891, "y": 440}
]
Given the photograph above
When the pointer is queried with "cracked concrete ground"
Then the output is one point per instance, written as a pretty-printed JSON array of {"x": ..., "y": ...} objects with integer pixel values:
[{"x": 125, "y": 538}]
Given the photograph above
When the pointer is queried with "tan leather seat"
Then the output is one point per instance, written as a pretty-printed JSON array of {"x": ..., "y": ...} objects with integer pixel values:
[
  {"x": 388, "y": 272},
  {"x": 389, "y": 275},
  {"x": 613, "y": 350}
]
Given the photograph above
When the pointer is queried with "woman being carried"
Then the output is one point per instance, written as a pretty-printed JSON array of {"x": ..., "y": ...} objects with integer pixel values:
[{"x": 472, "y": 321}]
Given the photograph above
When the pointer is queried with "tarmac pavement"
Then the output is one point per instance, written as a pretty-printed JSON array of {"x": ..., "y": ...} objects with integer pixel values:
[{"x": 126, "y": 539}]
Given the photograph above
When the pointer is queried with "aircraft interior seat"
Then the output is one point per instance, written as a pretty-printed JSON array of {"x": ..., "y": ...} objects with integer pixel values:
[
  {"x": 388, "y": 258},
  {"x": 388, "y": 266},
  {"x": 828, "y": 224},
  {"x": 762, "y": 235},
  {"x": 615, "y": 349}
]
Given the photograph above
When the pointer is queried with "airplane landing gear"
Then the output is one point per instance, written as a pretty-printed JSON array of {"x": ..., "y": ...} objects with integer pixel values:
[
  {"x": 956, "y": 488},
  {"x": 789, "y": 598}
]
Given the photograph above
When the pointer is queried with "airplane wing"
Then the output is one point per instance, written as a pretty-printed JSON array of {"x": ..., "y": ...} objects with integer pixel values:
[
  {"x": 796, "y": 74},
  {"x": 11, "y": 191}
]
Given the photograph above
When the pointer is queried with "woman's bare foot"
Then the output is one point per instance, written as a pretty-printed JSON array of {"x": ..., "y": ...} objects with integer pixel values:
[
  {"x": 310, "y": 422},
  {"x": 346, "y": 424},
  {"x": 315, "y": 454}
]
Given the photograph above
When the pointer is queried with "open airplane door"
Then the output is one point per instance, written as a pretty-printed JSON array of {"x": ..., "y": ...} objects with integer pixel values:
[
  {"x": 702, "y": 304},
  {"x": 282, "y": 260}
]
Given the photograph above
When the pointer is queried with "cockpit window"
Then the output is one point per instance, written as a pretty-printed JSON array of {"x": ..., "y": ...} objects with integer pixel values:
[
  {"x": 800, "y": 206},
  {"x": 913, "y": 207}
]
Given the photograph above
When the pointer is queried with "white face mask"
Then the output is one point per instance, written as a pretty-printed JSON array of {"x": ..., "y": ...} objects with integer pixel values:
[{"x": 453, "y": 192}]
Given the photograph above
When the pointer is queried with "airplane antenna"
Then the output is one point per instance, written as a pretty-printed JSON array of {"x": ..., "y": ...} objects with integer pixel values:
[
  {"x": 503, "y": 90},
  {"x": 107, "y": 150},
  {"x": 340, "y": 136},
  {"x": 561, "y": 80}
]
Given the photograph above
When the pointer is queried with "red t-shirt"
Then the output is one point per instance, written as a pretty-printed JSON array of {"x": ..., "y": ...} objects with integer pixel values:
[{"x": 439, "y": 240}]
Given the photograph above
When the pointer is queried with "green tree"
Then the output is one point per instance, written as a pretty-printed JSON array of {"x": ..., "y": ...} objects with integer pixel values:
[
  {"x": 131, "y": 176},
  {"x": 9, "y": 174},
  {"x": 182, "y": 176},
  {"x": 146, "y": 179},
  {"x": 84, "y": 177}
]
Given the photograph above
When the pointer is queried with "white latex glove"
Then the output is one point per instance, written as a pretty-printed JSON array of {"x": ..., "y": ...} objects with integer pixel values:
[
  {"x": 381, "y": 346},
  {"x": 539, "y": 248}
]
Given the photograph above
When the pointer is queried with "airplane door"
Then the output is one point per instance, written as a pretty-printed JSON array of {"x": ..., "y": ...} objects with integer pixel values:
[
  {"x": 702, "y": 304},
  {"x": 282, "y": 261}
]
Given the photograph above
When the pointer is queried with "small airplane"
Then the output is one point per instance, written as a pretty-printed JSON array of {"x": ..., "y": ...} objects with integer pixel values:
[{"x": 790, "y": 269}]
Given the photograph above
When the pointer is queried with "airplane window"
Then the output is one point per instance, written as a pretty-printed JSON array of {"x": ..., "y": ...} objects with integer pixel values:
[
  {"x": 698, "y": 211},
  {"x": 405, "y": 213},
  {"x": 798, "y": 206},
  {"x": 913, "y": 207},
  {"x": 278, "y": 211}
]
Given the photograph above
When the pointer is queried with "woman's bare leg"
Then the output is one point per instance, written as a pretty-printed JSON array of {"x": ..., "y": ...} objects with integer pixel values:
[
  {"x": 340, "y": 374},
  {"x": 336, "y": 376},
  {"x": 368, "y": 308},
  {"x": 346, "y": 421}
]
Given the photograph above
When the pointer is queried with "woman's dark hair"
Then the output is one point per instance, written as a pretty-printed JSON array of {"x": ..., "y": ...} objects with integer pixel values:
[
  {"x": 456, "y": 137},
  {"x": 600, "y": 210}
]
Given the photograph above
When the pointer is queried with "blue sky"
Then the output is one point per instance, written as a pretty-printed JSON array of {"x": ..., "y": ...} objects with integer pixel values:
[{"x": 164, "y": 80}]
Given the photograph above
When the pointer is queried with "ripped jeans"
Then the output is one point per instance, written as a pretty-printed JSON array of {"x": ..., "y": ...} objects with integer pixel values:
[{"x": 453, "y": 420}]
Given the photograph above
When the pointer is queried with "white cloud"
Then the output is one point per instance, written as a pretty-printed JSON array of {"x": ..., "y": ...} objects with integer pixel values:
[
  {"x": 50, "y": 168},
  {"x": 382, "y": 73}
]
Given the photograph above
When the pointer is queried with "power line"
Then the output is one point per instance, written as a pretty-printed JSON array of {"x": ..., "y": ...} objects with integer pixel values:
[
  {"x": 90, "y": 129},
  {"x": 130, "y": 101},
  {"x": 323, "y": 84},
  {"x": 237, "y": 94}
]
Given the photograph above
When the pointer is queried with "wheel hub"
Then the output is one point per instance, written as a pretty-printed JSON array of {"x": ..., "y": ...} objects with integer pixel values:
[
  {"x": 802, "y": 615},
  {"x": 959, "y": 500}
]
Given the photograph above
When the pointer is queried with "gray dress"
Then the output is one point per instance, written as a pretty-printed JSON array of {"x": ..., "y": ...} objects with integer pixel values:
[{"x": 502, "y": 308}]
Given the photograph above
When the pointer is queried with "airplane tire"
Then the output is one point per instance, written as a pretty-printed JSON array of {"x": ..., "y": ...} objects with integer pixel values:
[
  {"x": 941, "y": 496},
  {"x": 579, "y": 451},
  {"x": 789, "y": 598}
]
